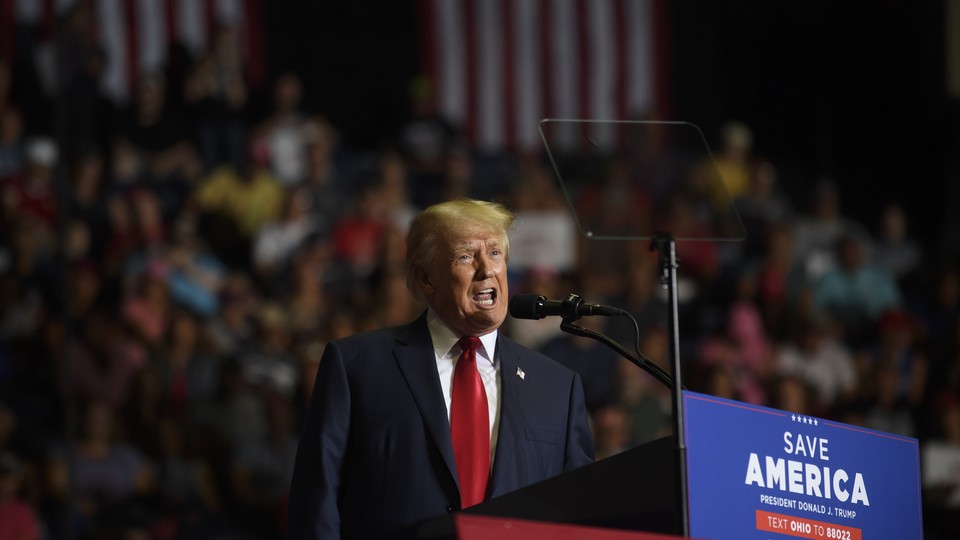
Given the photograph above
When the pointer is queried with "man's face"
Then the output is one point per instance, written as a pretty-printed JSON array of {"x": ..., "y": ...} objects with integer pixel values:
[{"x": 467, "y": 285}]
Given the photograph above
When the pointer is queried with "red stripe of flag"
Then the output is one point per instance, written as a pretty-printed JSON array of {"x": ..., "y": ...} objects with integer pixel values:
[
  {"x": 95, "y": 32},
  {"x": 509, "y": 75},
  {"x": 622, "y": 74},
  {"x": 661, "y": 58},
  {"x": 428, "y": 49},
  {"x": 7, "y": 30},
  {"x": 47, "y": 20},
  {"x": 583, "y": 62},
  {"x": 546, "y": 58},
  {"x": 470, "y": 63},
  {"x": 210, "y": 23},
  {"x": 256, "y": 62},
  {"x": 170, "y": 16}
]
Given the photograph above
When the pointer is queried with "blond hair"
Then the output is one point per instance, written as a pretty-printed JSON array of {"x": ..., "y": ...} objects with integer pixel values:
[{"x": 433, "y": 227}]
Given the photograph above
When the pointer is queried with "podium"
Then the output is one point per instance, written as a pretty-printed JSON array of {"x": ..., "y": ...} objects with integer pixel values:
[
  {"x": 471, "y": 527},
  {"x": 754, "y": 472},
  {"x": 603, "y": 494}
]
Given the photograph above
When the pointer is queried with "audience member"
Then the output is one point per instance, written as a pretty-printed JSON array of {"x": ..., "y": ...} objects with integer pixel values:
[
  {"x": 657, "y": 165},
  {"x": 427, "y": 140},
  {"x": 276, "y": 241},
  {"x": 734, "y": 163},
  {"x": 217, "y": 96},
  {"x": 895, "y": 249},
  {"x": 889, "y": 411},
  {"x": 323, "y": 180},
  {"x": 31, "y": 194},
  {"x": 189, "y": 498},
  {"x": 819, "y": 359},
  {"x": 792, "y": 393},
  {"x": 595, "y": 362},
  {"x": 14, "y": 442},
  {"x": 103, "y": 472},
  {"x": 762, "y": 206},
  {"x": 941, "y": 469},
  {"x": 646, "y": 400},
  {"x": 236, "y": 200},
  {"x": 87, "y": 201},
  {"x": 855, "y": 293},
  {"x": 152, "y": 230},
  {"x": 262, "y": 468},
  {"x": 18, "y": 520},
  {"x": 782, "y": 292},
  {"x": 236, "y": 414},
  {"x": 743, "y": 347},
  {"x": 270, "y": 363},
  {"x": 188, "y": 374},
  {"x": 231, "y": 329},
  {"x": 611, "y": 430},
  {"x": 895, "y": 348},
  {"x": 546, "y": 282},
  {"x": 157, "y": 131},
  {"x": 102, "y": 362},
  {"x": 642, "y": 297},
  {"x": 286, "y": 131},
  {"x": 87, "y": 112},
  {"x": 305, "y": 291},
  {"x": 146, "y": 309},
  {"x": 817, "y": 232},
  {"x": 358, "y": 237},
  {"x": 12, "y": 151},
  {"x": 196, "y": 274}
]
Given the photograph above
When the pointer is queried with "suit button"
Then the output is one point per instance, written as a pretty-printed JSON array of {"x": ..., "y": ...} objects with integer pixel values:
[{"x": 452, "y": 508}]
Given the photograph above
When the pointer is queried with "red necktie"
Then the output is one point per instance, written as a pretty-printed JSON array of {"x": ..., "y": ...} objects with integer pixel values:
[{"x": 470, "y": 425}]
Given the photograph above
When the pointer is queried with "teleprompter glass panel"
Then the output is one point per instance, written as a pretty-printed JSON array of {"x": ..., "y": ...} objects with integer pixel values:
[{"x": 634, "y": 179}]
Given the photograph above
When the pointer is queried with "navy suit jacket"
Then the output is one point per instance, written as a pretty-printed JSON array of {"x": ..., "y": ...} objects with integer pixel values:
[{"x": 375, "y": 453}]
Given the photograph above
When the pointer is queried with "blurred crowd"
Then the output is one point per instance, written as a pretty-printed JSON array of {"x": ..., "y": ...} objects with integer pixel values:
[{"x": 171, "y": 270}]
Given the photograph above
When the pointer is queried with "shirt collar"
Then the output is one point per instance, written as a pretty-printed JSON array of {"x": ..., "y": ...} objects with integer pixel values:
[{"x": 445, "y": 339}]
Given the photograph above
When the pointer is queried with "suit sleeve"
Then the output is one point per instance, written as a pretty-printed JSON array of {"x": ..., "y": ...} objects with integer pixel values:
[
  {"x": 313, "y": 511},
  {"x": 579, "y": 444}
]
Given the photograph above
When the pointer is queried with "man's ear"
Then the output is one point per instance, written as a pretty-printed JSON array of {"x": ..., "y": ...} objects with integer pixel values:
[{"x": 422, "y": 280}]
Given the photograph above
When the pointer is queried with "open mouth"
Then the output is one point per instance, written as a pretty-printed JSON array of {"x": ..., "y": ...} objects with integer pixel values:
[{"x": 486, "y": 297}]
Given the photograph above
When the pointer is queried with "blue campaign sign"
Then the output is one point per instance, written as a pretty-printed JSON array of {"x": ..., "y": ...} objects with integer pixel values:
[{"x": 761, "y": 473}]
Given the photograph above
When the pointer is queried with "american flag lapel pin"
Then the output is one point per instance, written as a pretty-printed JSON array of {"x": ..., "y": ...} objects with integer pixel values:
[{"x": 520, "y": 373}]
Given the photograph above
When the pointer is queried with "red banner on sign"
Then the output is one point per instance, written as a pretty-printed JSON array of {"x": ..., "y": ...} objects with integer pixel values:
[{"x": 804, "y": 528}]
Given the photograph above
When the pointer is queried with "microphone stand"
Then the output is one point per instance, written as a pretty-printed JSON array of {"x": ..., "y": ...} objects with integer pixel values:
[
  {"x": 666, "y": 246},
  {"x": 658, "y": 373}
]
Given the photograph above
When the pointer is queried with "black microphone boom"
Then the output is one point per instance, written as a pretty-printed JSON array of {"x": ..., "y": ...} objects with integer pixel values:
[{"x": 535, "y": 306}]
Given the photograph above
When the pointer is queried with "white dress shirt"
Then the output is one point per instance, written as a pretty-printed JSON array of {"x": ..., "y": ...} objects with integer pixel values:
[{"x": 447, "y": 352}]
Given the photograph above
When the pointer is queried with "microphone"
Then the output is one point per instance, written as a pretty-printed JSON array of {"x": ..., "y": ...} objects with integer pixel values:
[{"x": 535, "y": 306}]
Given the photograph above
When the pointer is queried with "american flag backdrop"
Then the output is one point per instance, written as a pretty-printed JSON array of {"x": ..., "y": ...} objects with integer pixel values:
[
  {"x": 499, "y": 66},
  {"x": 136, "y": 35}
]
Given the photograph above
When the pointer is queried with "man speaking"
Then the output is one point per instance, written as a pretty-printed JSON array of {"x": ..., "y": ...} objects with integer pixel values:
[{"x": 406, "y": 424}]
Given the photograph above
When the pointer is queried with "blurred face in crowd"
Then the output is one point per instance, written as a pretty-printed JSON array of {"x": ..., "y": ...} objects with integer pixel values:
[
  {"x": 851, "y": 254},
  {"x": 466, "y": 282}
]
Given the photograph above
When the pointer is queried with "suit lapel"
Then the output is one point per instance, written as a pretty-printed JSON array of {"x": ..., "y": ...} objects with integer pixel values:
[
  {"x": 504, "y": 474},
  {"x": 416, "y": 360}
]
